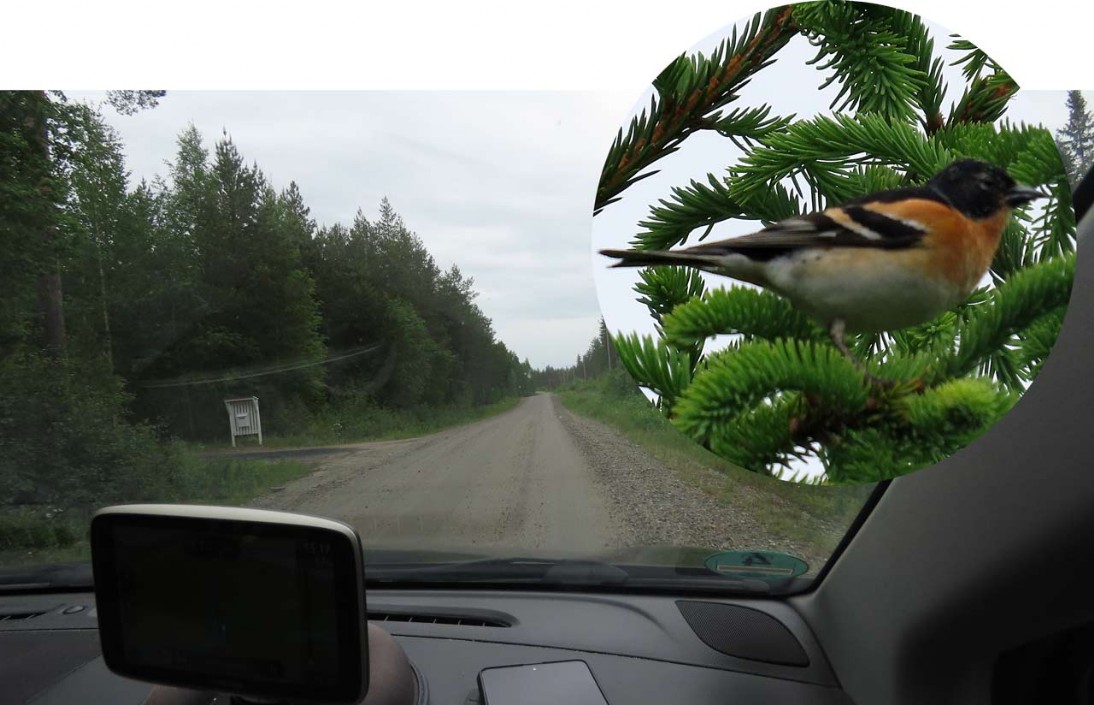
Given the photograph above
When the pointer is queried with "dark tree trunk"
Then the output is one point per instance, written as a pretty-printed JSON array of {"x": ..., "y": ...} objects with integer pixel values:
[
  {"x": 51, "y": 309},
  {"x": 50, "y": 296}
]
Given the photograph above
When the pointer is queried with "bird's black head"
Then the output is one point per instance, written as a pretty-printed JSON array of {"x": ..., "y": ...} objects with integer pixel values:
[{"x": 979, "y": 189}]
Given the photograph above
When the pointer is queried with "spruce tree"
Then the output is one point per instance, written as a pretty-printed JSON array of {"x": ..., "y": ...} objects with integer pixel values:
[
  {"x": 781, "y": 392},
  {"x": 1076, "y": 138}
]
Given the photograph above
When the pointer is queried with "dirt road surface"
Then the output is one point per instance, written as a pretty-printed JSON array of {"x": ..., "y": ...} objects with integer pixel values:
[
  {"x": 516, "y": 479},
  {"x": 536, "y": 479}
]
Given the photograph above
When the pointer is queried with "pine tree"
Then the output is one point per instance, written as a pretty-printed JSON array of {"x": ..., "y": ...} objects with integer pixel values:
[
  {"x": 96, "y": 209},
  {"x": 1076, "y": 138},
  {"x": 781, "y": 392},
  {"x": 28, "y": 210}
]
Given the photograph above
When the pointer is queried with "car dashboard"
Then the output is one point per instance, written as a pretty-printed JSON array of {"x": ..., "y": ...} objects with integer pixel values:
[{"x": 641, "y": 648}]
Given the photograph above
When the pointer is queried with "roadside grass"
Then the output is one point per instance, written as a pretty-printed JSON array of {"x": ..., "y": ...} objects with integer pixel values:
[
  {"x": 816, "y": 516},
  {"x": 369, "y": 423},
  {"x": 47, "y": 534},
  {"x": 233, "y": 481}
]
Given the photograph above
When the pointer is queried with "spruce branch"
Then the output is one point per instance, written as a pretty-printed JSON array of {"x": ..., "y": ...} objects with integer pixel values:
[
  {"x": 1011, "y": 308},
  {"x": 771, "y": 205},
  {"x": 752, "y": 313},
  {"x": 822, "y": 150},
  {"x": 695, "y": 206},
  {"x": 999, "y": 143},
  {"x": 688, "y": 96},
  {"x": 937, "y": 423},
  {"x": 745, "y": 126},
  {"x": 960, "y": 405},
  {"x": 662, "y": 369},
  {"x": 1037, "y": 341},
  {"x": 761, "y": 437},
  {"x": 733, "y": 381},
  {"x": 1015, "y": 252},
  {"x": 974, "y": 62},
  {"x": 662, "y": 289},
  {"x": 870, "y": 54},
  {"x": 985, "y": 100},
  {"x": 933, "y": 90}
]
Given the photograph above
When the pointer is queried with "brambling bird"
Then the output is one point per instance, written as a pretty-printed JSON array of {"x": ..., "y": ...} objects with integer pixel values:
[{"x": 881, "y": 262}]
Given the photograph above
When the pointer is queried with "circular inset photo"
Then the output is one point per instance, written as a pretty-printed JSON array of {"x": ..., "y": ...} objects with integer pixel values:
[{"x": 834, "y": 243}]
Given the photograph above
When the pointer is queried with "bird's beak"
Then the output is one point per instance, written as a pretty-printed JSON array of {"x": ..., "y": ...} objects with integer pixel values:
[{"x": 1020, "y": 195}]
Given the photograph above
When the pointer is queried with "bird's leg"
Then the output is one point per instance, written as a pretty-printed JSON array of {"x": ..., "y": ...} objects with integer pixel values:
[{"x": 836, "y": 331}]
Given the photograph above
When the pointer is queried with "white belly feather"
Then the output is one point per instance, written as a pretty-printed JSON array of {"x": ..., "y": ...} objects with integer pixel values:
[{"x": 870, "y": 290}]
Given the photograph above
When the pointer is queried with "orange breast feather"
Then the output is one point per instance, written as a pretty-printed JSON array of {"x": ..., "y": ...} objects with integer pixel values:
[{"x": 961, "y": 248}]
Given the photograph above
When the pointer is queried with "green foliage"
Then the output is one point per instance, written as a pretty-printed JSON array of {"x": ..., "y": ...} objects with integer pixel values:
[
  {"x": 779, "y": 391},
  {"x": 65, "y": 440},
  {"x": 25, "y": 529},
  {"x": 421, "y": 366},
  {"x": 359, "y": 417},
  {"x": 600, "y": 361},
  {"x": 696, "y": 206},
  {"x": 689, "y": 95},
  {"x": 664, "y": 288},
  {"x": 747, "y": 376},
  {"x": 656, "y": 366},
  {"x": 377, "y": 284},
  {"x": 130, "y": 102},
  {"x": 934, "y": 425},
  {"x": 31, "y": 189},
  {"x": 747, "y": 312},
  {"x": 825, "y": 151},
  {"x": 849, "y": 36},
  {"x": 986, "y": 95}
]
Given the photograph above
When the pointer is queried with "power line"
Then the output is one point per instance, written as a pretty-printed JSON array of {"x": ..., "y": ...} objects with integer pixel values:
[{"x": 275, "y": 370}]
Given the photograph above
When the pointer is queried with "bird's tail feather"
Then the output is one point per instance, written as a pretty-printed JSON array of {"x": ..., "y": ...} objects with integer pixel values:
[{"x": 638, "y": 258}]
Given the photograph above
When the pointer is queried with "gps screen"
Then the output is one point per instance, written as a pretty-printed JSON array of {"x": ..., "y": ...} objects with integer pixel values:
[
  {"x": 239, "y": 607},
  {"x": 230, "y": 605}
]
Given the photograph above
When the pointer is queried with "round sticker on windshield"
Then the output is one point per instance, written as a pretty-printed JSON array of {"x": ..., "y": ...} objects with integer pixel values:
[
  {"x": 756, "y": 564},
  {"x": 832, "y": 245}
]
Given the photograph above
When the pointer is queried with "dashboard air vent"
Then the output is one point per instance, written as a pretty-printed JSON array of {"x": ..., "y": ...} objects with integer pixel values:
[
  {"x": 423, "y": 618},
  {"x": 13, "y": 616}
]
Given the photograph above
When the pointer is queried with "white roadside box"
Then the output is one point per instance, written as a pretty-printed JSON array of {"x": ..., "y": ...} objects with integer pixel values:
[{"x": 243, "y": 417}]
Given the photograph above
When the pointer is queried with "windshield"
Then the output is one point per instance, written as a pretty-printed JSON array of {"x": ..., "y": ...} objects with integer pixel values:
[{"x": 371, "y": 307}]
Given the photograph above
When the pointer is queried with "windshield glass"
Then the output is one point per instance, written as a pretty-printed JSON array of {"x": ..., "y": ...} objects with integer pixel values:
[{"x": 373, "y": 307}]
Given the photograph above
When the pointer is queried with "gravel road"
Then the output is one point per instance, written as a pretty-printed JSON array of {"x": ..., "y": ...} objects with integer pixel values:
[
  {"x": 535, "y": 477},
  {"x": 516, "y": 479}
]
